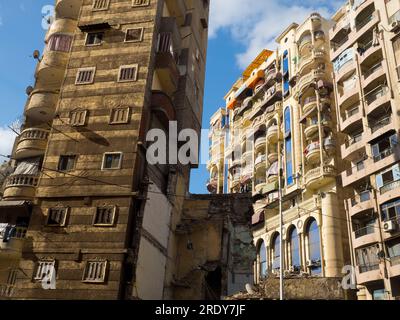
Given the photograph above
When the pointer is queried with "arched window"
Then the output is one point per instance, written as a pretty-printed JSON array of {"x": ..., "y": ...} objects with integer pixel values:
[
  {"x": 288, "y": 146},
  {"x": 314, "y": 248},
  {"x": 262, "y": 260},
  {"x": 276, "y": 247},
  {"x": 295, "y": 260}
]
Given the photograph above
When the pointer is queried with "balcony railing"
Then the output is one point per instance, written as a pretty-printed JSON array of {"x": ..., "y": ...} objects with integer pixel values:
[
  {"x": 395, "y": 261},
  {"x": 364, "y": 22},
  {"x": 362, "y": 232},
  {"x": 380, "y": 124},
  {"x": 372, "y": 70},
  {"x": 354, "y": 139},
  {"x": 375, "y": 94},
  {"x": 390, "y": 186},
  {"x": 368, "y": 267},
  {"x": 384, "y": 154},
  {"x": 360, "y": 198}
]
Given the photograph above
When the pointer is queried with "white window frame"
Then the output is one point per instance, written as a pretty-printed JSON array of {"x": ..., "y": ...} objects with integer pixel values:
[
  {"x": 85, "y": 112},
  {"x": 101, "y": 9},
  {"x": 104, "y": 160},
  {"x": 145, "y": 4},
  {"x": 114, "y": 214},
  {"x": 105, "y": 271},
  {"x": 63, "y": 224},
  {"x": 125, "y": 121},
  {"x": 51, "y": 264},
  {"x": 133, "y": 41},
  {"x": 135, "y": 66},
  {"x": 94, "y": 44},
  {"x": 93, "y": 69}
]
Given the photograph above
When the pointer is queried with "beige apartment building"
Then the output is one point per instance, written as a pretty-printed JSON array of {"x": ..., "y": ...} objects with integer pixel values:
[
  {"x": 83, "y": 214},
  {"x": 365, "y": 51},
  {"x": 282, "y": 121}
]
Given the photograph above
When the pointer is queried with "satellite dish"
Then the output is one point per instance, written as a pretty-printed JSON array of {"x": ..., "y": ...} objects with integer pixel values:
[
  {"x": 36, "y": 54},
  {"x": 29, "y": 90}
]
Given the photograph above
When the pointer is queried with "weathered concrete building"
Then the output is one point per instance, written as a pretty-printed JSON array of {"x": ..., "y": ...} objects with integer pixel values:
[{"x": 90, "y": 218}]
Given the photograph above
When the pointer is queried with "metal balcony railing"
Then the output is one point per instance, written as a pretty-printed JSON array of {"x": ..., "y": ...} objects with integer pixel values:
[
  {"x": 362, "y": 232},
  {"x": 390, "y": 186},
  {"x": 384, "y": 154},
  {"x": 376, "y": 93},
  {"x": 368, "y": 267}
]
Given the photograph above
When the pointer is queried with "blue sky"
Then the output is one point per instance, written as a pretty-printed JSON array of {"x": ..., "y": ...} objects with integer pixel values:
[{"x": 239, "y": 29}]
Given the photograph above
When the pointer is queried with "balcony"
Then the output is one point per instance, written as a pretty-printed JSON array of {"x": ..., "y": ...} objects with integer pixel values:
[
  {"x": 260, "y": 142},
  {"x": 62, "y": 26},
  {"x": 20, "y": 187},
  {"x": 391, "y": 186},
  {"x": 177, "y": 9},
  {"x": 350, "y": 96},
  {"x": 307, "y": 61},
  {"x": 377, "y": 98},
  {"x": 273, "y": 134},
  {"x": 169, "y": 43},
  {"x": 31, "y": 143},
  {"x": 41, "y": 105},
  {"x": 304, "y": 42},
  {"x": 366, "y": 23},
  {"x": 373, "y": 73},
  {"x": 368, "y": 273},
  {"x": 12, "y": 242},
  {"x": 313, "y": 153},
  {"x": 309, "y": 104},
  {"x": 260, "y": 162},
  {"x": 68, "y": 8},
  {"x": 380, "y": 127},
  {"x": 309, "y": 79},
  {"x": 353, "y": 145},
  {"x": 352, "y": 117},
  {"x": 52, "y": 67},
  {"x": 364, "y": 201},
  {"x": 395, "y": 266},
  {"x": 272, "y": 157},
  {"x": 364, "y": 236},
  {"x": 318, "y": 177}
]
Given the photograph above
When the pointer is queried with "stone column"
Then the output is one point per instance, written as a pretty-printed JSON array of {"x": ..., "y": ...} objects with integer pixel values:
[{"x": 331, "y": 236}]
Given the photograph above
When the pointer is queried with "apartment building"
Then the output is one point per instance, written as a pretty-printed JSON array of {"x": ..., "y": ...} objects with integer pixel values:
[
  {"x": 282, "y": 137},
  {"x": 83, "y": 214},
  {"x": 365, "y": 53}
]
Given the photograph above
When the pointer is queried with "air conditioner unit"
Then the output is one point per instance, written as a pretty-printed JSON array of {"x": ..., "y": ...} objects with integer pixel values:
[
  {"x": 395, "y": 26},
  {"x": 389, "y": 226}
]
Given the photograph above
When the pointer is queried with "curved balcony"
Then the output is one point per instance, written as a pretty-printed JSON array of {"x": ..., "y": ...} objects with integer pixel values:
[
  {"x": 317, "y": 54},
  {"x": 31, "y": 143},
  {"x": 273, "y": 134},
  {"x": 381, "y": 127},
  {"x": 341, "y": 26},
  {"x": 311, "y": 130},
  {"x": 395, "y": 266},
  {"x": 260, "y": 142},
  {"x": 68, "y": 8},
  {"x": 313, "y": 153},
  {"x": 52, "y": 67},
  {"x": 345, "y": 70},
  {"x": 316, "y": 178},
  {"x": 366, "y": 274},
  {"x": 319, "y": 36},
  {"x": 389, "y": 191},
  {"x": 272, "y": 179},
  {"x": 377, "y": 98},
  {"x": 304, "y": 42},
  {"x": 41, "y": 105},
  {"x": 363, "y": 26},
  {"x": 259, "y": 186},
  {"x": 309, "y": 104},
  {"x": 18, "y": 187},
  {"x": 370, "y": 50},
  {"x": 260, "y": 162},
  {"x": 365, "y": 236},
  {"x": 309, "y": 79},
  {"x": 364, "y": 201},
  {"x": 272, "y": 157},
  {"x": 62, "y": 26},
  {"x": 212, "y": 185}
]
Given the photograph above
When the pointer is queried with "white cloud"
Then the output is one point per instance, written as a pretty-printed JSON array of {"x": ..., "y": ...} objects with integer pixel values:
[
  {"x": 7, "y": 138},
  {"x": 256, "y": 23}
]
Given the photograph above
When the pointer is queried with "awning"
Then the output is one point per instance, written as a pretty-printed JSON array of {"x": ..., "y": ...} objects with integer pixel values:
[
  {"x": 231, "y": 104},
  {"x": 252, "y": 81},
  {"x": 258, "y": 217},
  {"x": 21, "y": 207},
  {"x": 13, "y": 204},
  {"x": 273, "y": 169},
  {"x": 94, "y": 26},
  {"x": 245, "y": 179}
]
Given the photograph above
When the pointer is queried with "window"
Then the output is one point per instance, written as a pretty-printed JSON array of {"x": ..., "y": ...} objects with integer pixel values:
[
  {"x": 77, "y": 118},
  {"x": 314, "y": 248},
  {"x": 128, "y": 73},
  {"x": 60, "y": 42},
  {"x": 294, "y": 249},
  {"x": 100, "y": 4},
  {"x": 134, "y": 35},
  {"x": 262, "y": 260},
  {"x": 104, "y": 216},
  {"x": 45, "y": 269},
  {"x": 387, "y": 178},
  {"x": 288, "y": 147},
  {"x": 95, "y": 271},
  {"x": 112, "y": 161},
  {"x": 391, "y": 211},
  {"x": 56, "y": 217},
  {"x": 119, "y": 115},
  {"x": 85, "y": 76},
  {"x": 367, "y": 258},
  {"x": 94, "y": 39},
  {"x": 140, "y": 3},
  {"x": 276, "y": 245},
  {"x": 67, "y": 163}
]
